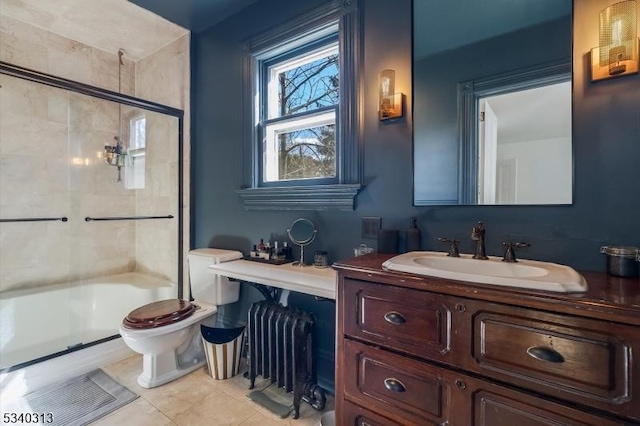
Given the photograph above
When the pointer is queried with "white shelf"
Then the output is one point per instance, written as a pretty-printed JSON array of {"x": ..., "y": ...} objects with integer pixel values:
[{"x": 307, "y": 279}]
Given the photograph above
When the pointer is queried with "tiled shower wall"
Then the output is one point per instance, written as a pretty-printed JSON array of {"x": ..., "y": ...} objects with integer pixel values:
[
  {"x": 51, "y": 141},
  {"x": 164, "y": 77}
]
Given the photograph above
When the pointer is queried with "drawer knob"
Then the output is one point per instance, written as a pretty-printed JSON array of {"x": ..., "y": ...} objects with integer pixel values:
[
  {"x": 460, "y": 307},
  {"x": 394, "y": 318},
  {"x": 394, "y": 385},
  {"x": 460, "y": 384},
  {"x": 545, "y": 354}
]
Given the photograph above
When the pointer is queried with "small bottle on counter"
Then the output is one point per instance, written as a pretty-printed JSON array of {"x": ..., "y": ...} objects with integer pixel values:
[
  {"x": 261, "y": 245},
  {"x": 286, "y": 250},
  {"x": 266, "y": 252},
  {"x": 413, "y": 236},
  {"x": 254, "y": 251}
]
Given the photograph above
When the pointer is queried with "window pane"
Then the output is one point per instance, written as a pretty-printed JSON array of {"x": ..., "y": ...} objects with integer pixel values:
[
  {"x": 301, "y": 149},
  {"x": 308, "y": 153},
  {"x": 304, "y": 83},
  {"x": 138, "y": 129}
]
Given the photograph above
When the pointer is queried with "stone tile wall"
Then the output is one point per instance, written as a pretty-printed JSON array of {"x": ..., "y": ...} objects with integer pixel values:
[{"x": 50, "y": 156}]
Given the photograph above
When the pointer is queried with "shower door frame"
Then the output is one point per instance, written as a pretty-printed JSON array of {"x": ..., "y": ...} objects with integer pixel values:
[{"x": 123, "y": 99}]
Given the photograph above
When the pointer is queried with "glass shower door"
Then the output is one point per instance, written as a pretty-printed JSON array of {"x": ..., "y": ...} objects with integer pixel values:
[
  {"x": 85, "y": 239},
  {"x": 125, "y": 213},
  {"x": 34, "y": 227}
]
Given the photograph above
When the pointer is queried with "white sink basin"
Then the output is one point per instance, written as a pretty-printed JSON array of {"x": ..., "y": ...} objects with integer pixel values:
[{"x": 528, "y": 274}]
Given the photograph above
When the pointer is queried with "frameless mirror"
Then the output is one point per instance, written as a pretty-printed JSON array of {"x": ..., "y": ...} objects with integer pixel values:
[
  {"x": 492, "y": 102},
  {"x": 302, "y": 232}
]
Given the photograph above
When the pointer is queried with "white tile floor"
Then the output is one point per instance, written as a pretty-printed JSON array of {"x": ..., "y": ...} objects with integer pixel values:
[{"x": 195, "y": 399}]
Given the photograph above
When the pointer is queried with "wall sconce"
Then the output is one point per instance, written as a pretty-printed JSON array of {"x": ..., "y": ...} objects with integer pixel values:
[
  {"x": 617, "y": 52},
  {"x": 390, "y": 103}
]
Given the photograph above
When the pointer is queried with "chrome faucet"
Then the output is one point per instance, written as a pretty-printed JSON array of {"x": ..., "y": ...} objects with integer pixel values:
[{"x": 477, "y": 234}]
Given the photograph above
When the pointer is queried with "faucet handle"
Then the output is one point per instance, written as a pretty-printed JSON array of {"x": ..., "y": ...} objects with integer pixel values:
[
  {"x": 453, "y": 248},
  {"x": 509, "y": 253}
]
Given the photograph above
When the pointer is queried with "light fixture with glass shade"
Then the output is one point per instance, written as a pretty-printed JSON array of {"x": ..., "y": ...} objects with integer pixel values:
[
  {"x": 116, "y": 154},
  {"x": 390, "y": 102},
  {"x": 617, "y": 51}
]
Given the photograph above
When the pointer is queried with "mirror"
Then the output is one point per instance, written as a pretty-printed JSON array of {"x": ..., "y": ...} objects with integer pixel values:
[
  {"x": 302, "y": 232},
  {"x": 492, "y": 102}
]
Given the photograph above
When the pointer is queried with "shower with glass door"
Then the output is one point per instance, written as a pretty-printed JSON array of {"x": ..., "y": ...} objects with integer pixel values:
[{"x": 90, "y": 218}]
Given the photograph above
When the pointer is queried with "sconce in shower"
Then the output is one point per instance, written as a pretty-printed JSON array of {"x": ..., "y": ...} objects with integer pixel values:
[
  {"x": 617, "y": 51},
  {"x": 389, "y": 102},
  {"x": 116, "y": 154}
]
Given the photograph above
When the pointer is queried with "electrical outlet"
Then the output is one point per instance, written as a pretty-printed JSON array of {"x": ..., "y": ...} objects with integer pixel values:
[{"x": 370, "y": 226}]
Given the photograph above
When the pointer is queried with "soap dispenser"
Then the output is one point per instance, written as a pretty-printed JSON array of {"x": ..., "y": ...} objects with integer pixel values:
[{"x": 413, "y": 236}]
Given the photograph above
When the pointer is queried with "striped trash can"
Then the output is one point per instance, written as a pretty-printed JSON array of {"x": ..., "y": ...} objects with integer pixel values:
[{"x": 223, "y": 349}]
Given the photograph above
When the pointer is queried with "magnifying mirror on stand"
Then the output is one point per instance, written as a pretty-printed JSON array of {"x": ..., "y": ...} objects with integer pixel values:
[{"x": 302, "y": 232}]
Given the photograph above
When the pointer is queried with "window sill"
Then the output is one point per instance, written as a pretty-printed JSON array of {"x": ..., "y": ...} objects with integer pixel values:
[{"x": 317, "y": 197}]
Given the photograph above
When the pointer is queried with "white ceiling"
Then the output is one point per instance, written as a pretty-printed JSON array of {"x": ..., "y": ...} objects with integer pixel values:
[
  {"x": 105, "y": 24},
  {"x": 534, "y": 114}
]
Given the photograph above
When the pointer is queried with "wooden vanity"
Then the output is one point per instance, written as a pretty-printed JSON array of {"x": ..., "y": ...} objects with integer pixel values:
[{"x": 414, "y": 350}]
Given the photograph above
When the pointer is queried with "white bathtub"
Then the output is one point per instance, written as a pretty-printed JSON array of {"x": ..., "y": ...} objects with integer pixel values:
[{"x": 40, "y": 322}]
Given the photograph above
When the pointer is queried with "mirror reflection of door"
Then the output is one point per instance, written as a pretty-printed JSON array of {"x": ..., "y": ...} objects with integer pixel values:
[
  {"x": 524, "y": 146},
  {"x": 488, "y": 153},
  {"x": 507, "y": 178}
]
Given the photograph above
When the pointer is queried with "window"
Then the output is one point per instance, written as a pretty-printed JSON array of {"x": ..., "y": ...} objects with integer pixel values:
[
  {"x": 303, "y": 81},
  {"x": 134, "y": 177},
  {"x": 300, "y": 102}
]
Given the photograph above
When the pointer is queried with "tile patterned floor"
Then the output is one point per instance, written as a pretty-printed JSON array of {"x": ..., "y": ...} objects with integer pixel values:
[{"x": 195, "y": 399}]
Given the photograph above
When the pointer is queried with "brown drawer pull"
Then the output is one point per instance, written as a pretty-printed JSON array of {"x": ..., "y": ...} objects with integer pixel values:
[
  {"x": 394, "y": 385},
  {"x": 394, "y": 318},
  {"x": 545, "y": 354}
]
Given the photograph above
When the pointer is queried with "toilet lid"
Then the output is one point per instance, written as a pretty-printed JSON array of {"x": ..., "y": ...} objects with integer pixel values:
[{"x": 160, "y": 313}]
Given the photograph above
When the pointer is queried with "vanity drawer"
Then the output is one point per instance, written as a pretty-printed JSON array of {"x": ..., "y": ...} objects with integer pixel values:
[
  {"x": 416, "y": 322},
  {"x": 354, "y": 415},
  {"x": 395, "y": 386},
  {"x": 500, "y": 406},
  {"x": 578, "y": 359},
  {"x": 422, "y": 394}
]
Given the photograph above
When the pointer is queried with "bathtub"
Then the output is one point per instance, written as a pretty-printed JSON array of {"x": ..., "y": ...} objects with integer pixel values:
[{"x": 37, "y": 323}]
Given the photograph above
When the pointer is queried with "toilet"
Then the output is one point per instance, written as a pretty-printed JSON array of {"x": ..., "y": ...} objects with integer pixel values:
[{"x": 167, "y": 332}]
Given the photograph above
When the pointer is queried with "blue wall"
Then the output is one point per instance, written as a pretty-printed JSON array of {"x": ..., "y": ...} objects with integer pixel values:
[{"x": 606, "y": 207}]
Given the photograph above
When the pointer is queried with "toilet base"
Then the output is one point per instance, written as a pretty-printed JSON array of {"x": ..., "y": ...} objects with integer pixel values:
[
  {"x": 158, "y": 369},
  {"x": 163, "y": 368}
]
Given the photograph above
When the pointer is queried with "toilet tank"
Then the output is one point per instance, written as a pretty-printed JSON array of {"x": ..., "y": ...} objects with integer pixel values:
[{"x": 206, "y": 286}]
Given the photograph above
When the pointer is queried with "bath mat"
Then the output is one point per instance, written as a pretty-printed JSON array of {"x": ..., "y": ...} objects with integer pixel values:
[
  {"x": 75, "y": 402},
  {"x": 274, "y": 399}
]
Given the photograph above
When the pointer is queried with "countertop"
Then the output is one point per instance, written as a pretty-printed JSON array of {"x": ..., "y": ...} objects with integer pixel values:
[
  {"x": 612, "y": 298},
  {"x": 307, "y": 279}
]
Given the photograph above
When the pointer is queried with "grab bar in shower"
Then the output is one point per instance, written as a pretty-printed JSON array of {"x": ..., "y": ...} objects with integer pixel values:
[
  {"x": 89, "y": 219},
  {"x": 36, "y": 219}
]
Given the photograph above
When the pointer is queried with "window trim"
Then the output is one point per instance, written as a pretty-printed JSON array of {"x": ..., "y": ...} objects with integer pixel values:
[{"x": 341, "y": 195}]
